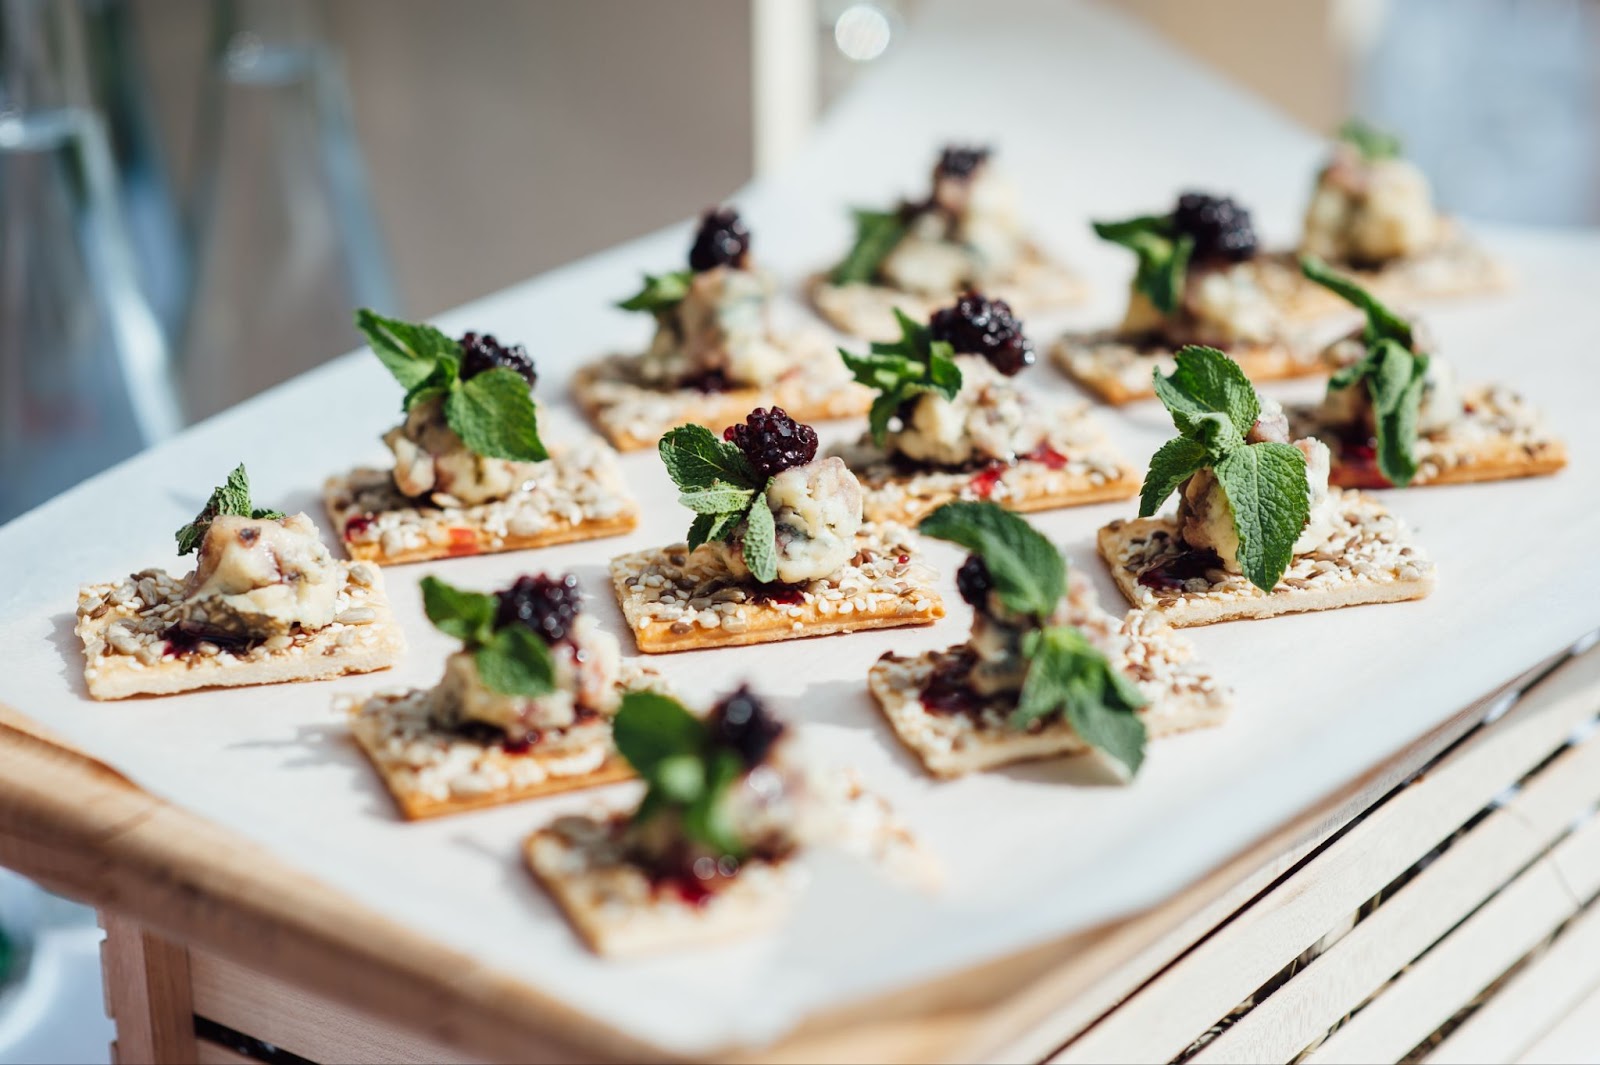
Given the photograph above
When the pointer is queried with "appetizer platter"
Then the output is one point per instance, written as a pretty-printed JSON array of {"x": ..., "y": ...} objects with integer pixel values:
[{"x": 794, "y": 815}]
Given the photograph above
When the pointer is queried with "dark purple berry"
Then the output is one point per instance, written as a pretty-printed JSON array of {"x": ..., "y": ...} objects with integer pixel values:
[
  {"x": 773, "y": 441},
  {"x": 481, "y": 352},
  {"x": 1221, "y": 228},
  {"x": 741, "y": 723},
  {"x": 959, "y": 161},
  {"x": 973, "y": 582},
  {"x": 722, "y": 240},
  {"x": 544, "y": 604},
  {"x": 974, "y": 325}
]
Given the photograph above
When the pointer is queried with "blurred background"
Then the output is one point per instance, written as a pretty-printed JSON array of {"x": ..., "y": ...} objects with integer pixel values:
[{"x": 195, "y": 193}]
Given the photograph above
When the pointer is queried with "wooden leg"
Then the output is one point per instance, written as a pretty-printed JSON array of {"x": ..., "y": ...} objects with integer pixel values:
[{"x": 147, "y": 995}]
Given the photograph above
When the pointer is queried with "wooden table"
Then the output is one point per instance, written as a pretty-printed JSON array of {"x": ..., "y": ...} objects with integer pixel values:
[{"x": 1438, "y": 909}]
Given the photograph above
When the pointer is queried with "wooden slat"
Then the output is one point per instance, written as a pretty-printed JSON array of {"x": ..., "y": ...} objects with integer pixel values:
[
  {"x": 1532, "y": 1002},
  {"x": 302, "y": 1023},
  {"x": 1421, "y": 912},
  {"x": 1574, "y": 1041},
  {"x": 209, "y": 1053},
  {"x": 1205, "y": 985},
  {"x": 1472, "y": 957},
  {"x": 147, "y": 991}
]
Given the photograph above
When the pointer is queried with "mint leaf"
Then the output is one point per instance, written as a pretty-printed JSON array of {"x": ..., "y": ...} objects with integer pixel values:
[
  {"x": 706, "y": 818},
  {"x": 1382, "y": 323},
  {"x": 1068, "y": 675},
  {"x": 696, "y": 458},
  {"x": 410, "y": 351},
  {"x": 709, "y": 528},
  {"x": 760, "y": 543},
  {"x": 660, "y": 293},
  {"x": 1206, "y": 383},
  {"x": 1395, "y": 384},
  {"x": 1266, "y": 488},
  {"x": 718, "y": 499},
  {"x": 651, "y": 729},
  {"x": 1028, "y": 573},
  {"x": 493, "y": 413},
  {"x": 1373, "y": 143},
  {"x": 1162, "y": 253},
  {"x": 516, "y": 661},
  {"x": 877, "y": 234},
  {"x": 902, "y": 370},
  {"x": 466, "y": 615},
  {"x": 230, "y": 497},
  {"x": 1173, "y": 463}
]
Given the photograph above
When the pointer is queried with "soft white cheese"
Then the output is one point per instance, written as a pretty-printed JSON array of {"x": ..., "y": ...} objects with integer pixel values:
[
  {"x": 587, "y": 664},
  {"x": 990, "y": 418},
  {"x": 1369, "y": 211},
  {"x": 720, "y": 326},
  {"x": 816, "y": 509},
  {"x": 431, "y": 460},
  {"x": 1206, "y": 518},
  {"x": 257, "y": 577}
]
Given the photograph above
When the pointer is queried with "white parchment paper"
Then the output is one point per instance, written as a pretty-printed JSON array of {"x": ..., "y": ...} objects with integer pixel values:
[{"x": 1092, "y": 119}]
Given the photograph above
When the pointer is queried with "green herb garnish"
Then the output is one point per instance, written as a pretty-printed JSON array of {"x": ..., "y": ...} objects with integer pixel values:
[
  {"x": 1214, "y": 407},
  {"x": 1394, "y": 371},
  {"x": 903, "y": 370},
  {"x": 717, "y": 482},
  {"x": 684, "y": 769},
  {"x": 511, "y": 659},
  {"x": 493, "y": 411},
  {"x": 1163, "y": 255},
  {"x": 231, "y": 497},
  {"x": 1373, "y": 143},
  {"x": 877, "y": 235},
  {"x": 1066, "y": 673},
  {"x": 661, "y": 293}
]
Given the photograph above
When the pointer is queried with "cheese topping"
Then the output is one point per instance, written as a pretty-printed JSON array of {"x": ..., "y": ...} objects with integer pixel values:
[
  {"x": 1223, "y": 304},
  {"x": 431, "y": 460},
  {"x": 967, "y": 234},
  {"x": 587, "y": 665},
  {"x": 816, "y": 509},
  {"x": 720, "y": 328},
  {"x": 258, "y": 577},
  {"x": 990, "y": 418},
  {"x": 1442, "y": 403},
  {"x": 1369, "y": 211}
]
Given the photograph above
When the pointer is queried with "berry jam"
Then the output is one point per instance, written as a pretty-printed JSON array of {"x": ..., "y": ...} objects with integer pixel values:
[
  {"x": 1047, "y": 455},
  {"x": 463, "y": 542},
  {"x": 984, "y": 481},
  {"x": 947, "y": 691},
  {"x": 1356, "y": 464},
  {"x": 780, "y": 594},
  {"x": 182, "y": 641},
  {"x": 1179, "y": 568},
  {"x": 357, "y": 525},
  {"x": 709, "y": 382}
]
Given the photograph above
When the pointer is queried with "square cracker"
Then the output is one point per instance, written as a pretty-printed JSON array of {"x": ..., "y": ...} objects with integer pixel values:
[
  {"x": 122, "y": 624},
  {"x": 1498, "y": 437},
  {"x": 634, "y": 415},
  {"x": 620, "y": 911},
  {"x": 1456, "y": 266},
  {"x": 1369, "y": 558},
  {"x": 678, "y": 600},
  {"x": 1039, "y": 285},
  {"x": 1118, "y": 369},
  {"x": 1081, "y": 466},
  {"x": 576, "y": 494},
  {"x": 1181, "y": 695},
  {"x": 432, "y": 771}
]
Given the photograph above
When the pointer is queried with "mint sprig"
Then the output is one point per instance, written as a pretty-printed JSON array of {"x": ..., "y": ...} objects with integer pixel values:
[
  {"x": 716, "y": 481},
  {"x": 877, "y": 234},
  {"x": 511, "y": 659},
  {"x": 493, "y": 412},
  {"x": 661, "y": 292},
  {"x": 1066, "y": 674},
  {"x": 1214, "y": 407},
  {"x": 1394, "y": 372},
  {"x": 902, "y": 370},
  {"x": 1373, "y": 143},
  {"x": 684, "y": 769},
  {"x": 230, "y": 497},
  {"x": 1163, "y": 255}
]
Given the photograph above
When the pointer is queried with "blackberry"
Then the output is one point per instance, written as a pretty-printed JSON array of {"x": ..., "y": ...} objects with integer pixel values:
[
  {"x": 974, "y": 583},
  {"x": 974, "y": 325},
  {"x": 547, "y": 605},
  {"x": 773, "y": 441},
  {"x": 722, "y": 240},
  {"x": 959, "y": 161},
  {"x": 742, "y": 723},
  {"x": 1221, "y": 228},
  {"x": 481, "y": 352}
]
